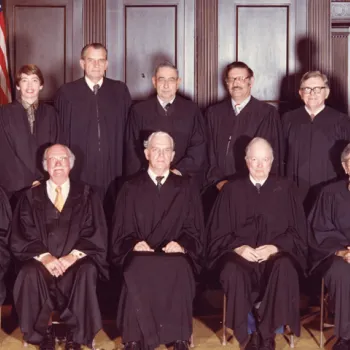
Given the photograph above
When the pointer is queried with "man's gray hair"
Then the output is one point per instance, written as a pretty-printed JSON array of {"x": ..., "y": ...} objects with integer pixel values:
[
  {"x": 148, "y": 142},
  {"x": 314, "y": 74},
  {"x": 71, "y": 155},
  {"x": 165, "y": 64},
  {"x": 345, "y": 155},
  {"x": 256, "y": 140}
]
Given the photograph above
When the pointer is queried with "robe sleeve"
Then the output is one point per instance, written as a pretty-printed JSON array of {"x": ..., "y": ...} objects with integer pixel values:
[
  {"x": 271, "y": 130},
  {"x": 195, "y": 159},
  {"x": 325, "y": 236},
  {"x": 124, "y": 235},
  {"x": 93, "y": 233},
  {"x": 221, "y": 233},
  {"x": 64, "y": 110},
  {"x": 192, "y": 233},
  {"x": 25, "y": 238},
  {"x": 294, "y": 239},
  {"x": 134, "y": 155}
]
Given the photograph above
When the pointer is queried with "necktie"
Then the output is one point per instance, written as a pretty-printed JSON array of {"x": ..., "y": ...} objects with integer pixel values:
[
  {"x": 95, "y": 88},
  {"x": 59, "y": 202},
  {"x": 237, "y": 108},
  {"x": 258, "y": 186},
  {"x": 166, "y": 107},
  {"x": 159, "y": 182}
]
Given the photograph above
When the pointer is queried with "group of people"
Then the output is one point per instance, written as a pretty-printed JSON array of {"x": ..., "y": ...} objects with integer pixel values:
[{"x": 95, "y": 181}]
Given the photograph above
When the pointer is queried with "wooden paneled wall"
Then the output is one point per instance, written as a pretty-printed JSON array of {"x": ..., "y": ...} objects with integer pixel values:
[{"x": 279, "y": 39}]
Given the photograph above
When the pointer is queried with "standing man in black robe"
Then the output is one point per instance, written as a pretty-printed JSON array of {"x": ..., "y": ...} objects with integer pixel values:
[
  {"x": 315, "y": 136},
  {"x": 157, "y": 239},
  {"x": 173, "y": 114},
  {"x": 93, "y": 111},
  {"x": 59, "y": 236},
  {"x": 330, "y": 245},
  {"x": 234, "y": 122},
  {"x": 257, "y": 244},
  {"x": 27, "y": 127}
]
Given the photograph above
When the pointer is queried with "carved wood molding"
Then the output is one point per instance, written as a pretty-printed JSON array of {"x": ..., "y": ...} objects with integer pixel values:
[
  {"x": 320, "y": 34},
  {"x": 94, "y": 21},
  {"x": 206, "y": 52}
]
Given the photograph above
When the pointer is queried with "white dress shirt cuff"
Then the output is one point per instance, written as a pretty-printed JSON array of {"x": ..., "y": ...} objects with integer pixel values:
[
  {"x": 77, "y": 253},
  {"x": 39, "y": 257}
]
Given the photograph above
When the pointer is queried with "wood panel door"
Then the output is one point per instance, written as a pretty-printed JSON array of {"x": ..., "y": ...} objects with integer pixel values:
[
  {"x": 49, "y": 34},
  {"x": 266, "y": 35},
  {"x": 143, "y": 33}
]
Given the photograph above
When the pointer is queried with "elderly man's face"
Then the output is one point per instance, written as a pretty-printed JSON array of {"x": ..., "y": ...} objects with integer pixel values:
[
  {"x": 314, "y": 92},
  {"x": 259, "y": 161},
  {"x": 58, "y": 165},
  {"x": 166, "y": 83},
  {"x": 29, "y": 87},
  {"x": 94, "y": 64},
  {"x": 239, "y": 84},
  {"x": 160, "y": 153}
]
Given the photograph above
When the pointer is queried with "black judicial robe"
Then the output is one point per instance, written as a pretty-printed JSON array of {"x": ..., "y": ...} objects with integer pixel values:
[
  {"x": 5, "y": 221},
  {"x": 93, "y": 127},
  {"x": 330, "y": 222},
  {"x": 86, "y": 230},
  {"x": 243, "y": 216},
  {"x": 313, "y": 149},
  {"x": 153, "y": 279},
  {"x": 21, "y": 151},
  {"x": 229, "y": 135},
  {"x": 183, "y": 121}
]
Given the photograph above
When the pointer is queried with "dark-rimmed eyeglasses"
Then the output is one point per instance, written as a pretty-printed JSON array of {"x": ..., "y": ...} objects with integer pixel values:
[{"x": 317, "y": 89}]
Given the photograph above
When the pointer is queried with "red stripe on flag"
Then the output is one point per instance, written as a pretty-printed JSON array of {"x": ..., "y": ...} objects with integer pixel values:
[{"x": 5, "y": 87}]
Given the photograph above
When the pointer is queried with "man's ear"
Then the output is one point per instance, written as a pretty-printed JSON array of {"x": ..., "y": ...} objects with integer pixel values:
[
  {"x": 146, "y": 151},
  {"x": 154, "y": 82},
  {"x": 82, "y": 64}
]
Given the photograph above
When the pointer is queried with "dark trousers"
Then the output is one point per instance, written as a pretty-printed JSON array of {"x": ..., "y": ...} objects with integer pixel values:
[
  {"x": 275, "y": 283},
  {"x": 37, "y": 293},
  {"x": 337, "y": 281}
]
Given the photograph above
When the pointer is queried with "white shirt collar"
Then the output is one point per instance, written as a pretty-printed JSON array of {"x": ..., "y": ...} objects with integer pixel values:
[
  {"x": 254, "y": 182},
  {"x": 317, "y": 110},
  {"x": 153, "y": 176},
  {"x": 51, "y": 190},
  {"x": 91, "y": 83},
  {"x": 162, "y": 103},
  {"x": 242, "y": 104}
]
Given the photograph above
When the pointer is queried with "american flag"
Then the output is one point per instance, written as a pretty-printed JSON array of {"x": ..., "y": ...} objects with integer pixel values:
[{"x": 5, "y": 87}]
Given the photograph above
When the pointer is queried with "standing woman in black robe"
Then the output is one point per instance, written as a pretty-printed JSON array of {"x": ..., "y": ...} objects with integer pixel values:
[
  {"x": 315, "y": 136},
  {"x": 27, "y": 127}
]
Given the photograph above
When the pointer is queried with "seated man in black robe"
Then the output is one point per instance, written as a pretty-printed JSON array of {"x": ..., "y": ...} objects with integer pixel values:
[
  {"x": 27, "y": 128},
  {"x": 157, "y": 239},
  {"x": 59, "y": 236},
  {"x": 330, "y": 247},
  {"x": 257, "y": 243}
]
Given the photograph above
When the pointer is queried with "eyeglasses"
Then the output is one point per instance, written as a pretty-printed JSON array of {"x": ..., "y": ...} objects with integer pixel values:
[
  {"x": 316, "y": 89},
  {"x": 240, "y": 79},
  {"x": 62, "y": 159},
  {"x": 169, "y": 81}
]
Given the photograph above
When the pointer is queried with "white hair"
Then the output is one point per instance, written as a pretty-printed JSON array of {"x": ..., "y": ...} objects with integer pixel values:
[
  {"x": 71, "y": 156},
  {"x": 258, "y": 140},
  {"x": 148, "y": 142}
]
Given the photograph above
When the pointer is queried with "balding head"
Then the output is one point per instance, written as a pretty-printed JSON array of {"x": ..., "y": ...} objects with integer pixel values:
[
  {"x": 159, "y": 152},
  {"x": 259, "y": 158}
]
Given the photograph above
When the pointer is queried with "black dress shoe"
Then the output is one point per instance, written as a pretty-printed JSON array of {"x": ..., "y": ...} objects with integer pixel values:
[
  {"x": 342, "y": 344},
  {"x": 70, "y": 344},
  {"x": 254, "y": 342},
  {"x": 181, "y": 345},
  {"x": 48, "y": 343},
  {"x": 267, "y": 344},
  {"x": 132, "y": 345}
]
